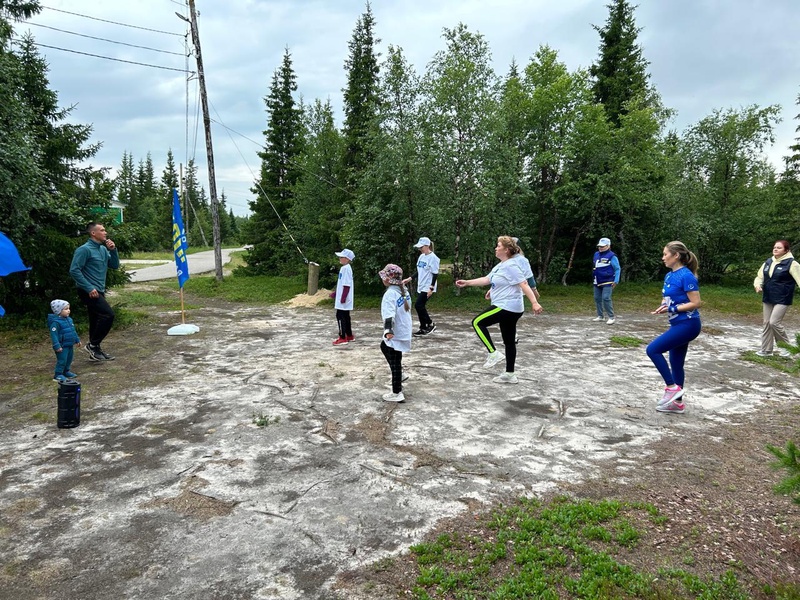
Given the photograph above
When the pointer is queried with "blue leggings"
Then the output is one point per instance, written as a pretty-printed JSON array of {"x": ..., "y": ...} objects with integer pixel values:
[{"x": 674, "y": 340}]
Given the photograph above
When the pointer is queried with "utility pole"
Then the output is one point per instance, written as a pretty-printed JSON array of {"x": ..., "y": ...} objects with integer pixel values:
[{"x": 212, "y": 183}]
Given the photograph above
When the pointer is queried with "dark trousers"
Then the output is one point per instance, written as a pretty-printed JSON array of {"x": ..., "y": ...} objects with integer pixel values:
[
  {"x": 101, "y": 316},
  {"x": 343, "y": 321},
  {"x": 422, "y": 312},
  {"x": 508, "y": 329},
  {"x": 395, "y": 360}
]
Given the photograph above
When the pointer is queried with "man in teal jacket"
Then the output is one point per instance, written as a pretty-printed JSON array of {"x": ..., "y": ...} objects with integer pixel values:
[{"x": 90, "y": 264}]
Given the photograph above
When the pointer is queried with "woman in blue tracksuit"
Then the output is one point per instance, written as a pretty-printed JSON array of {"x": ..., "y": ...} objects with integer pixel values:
[{"x": 681, "y": 301}]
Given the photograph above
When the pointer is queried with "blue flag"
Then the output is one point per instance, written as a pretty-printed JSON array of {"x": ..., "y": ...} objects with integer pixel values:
[
  {"x": 10, "y": 260},
  {"x": 179, "y": 244}
]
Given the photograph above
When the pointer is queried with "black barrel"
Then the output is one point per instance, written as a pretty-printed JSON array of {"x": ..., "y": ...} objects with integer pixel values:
[{"x": 69, "y": 404}]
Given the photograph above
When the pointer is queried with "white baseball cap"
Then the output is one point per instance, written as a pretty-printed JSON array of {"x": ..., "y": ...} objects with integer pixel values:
[
  {"x": 604, "y": 242},
  {"x": 346, "y": 253},
  {"x": 423, "y": 241}
]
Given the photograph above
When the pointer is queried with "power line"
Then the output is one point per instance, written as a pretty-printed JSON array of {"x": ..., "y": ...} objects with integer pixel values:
[
  {"x": 91, "y": 37},
  {"x": 130, "y": 62},
  {"x": 112, "y": 22},
  {"x": 258, "y": 183}
]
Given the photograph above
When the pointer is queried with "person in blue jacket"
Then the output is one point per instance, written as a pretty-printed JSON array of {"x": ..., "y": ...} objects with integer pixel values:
[
  {"x": 680, "y": 302},
  {"x": 64, "y": 337},
  {"x": 605, "y": 272}
]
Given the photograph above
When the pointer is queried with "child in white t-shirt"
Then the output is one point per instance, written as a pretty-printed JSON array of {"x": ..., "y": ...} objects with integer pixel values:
[
  {"x": 396, "y": 315},
  {"x": 344, "y": 298}
]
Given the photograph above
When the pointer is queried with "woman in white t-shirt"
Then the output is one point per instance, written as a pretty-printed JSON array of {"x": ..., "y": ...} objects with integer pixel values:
[{"x": 508, "y": 285}]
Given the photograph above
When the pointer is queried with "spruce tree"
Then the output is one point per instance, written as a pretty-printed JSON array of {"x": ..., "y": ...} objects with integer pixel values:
[
  {"x": 360, "y": 97},
  {"x": 620, "y": 74},
  {"x": 274, "y": 189}
]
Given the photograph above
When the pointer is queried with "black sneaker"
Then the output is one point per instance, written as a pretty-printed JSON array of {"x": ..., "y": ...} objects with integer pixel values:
[
  {"x": 102, "y": 354},
  {"x": 431, "y": 328},
  {"x": 94, "y": 353},
  {"x": 420, "y": 332}
]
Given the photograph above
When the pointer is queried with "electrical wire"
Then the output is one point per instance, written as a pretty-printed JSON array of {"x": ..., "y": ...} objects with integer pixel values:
[
  {"x": 258, "y": 183},
  {"x": 91, "y": 37},
  {"x": 130, "y": 62},
  {"x": 112, "y": 22},
  {"x": 291, "y": 162}
]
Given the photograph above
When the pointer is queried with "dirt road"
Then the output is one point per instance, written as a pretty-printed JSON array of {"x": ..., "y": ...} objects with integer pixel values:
[{"x": 254, "y": 460}]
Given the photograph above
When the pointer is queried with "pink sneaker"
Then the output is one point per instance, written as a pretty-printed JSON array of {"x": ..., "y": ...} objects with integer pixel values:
[
  {"x": 671, "y": 407},
  {"x": 671, "y": 394}
]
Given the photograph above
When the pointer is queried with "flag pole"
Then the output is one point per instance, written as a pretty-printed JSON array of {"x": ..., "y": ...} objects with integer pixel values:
[{"x": 180, "y": 184}]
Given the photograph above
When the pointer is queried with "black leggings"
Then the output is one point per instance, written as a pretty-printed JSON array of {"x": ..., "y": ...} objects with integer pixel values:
[
  {"x": 101, "y": 316},
  {"x": 395, "y": 360},
  {"x": 508, "y": 329},
  {"x": 343, "y": 320},
  {"x": 422, "y": 312}
]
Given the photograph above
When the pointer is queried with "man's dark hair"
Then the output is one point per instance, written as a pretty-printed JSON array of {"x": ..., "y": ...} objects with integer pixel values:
[{"x": 90, "y": 227}]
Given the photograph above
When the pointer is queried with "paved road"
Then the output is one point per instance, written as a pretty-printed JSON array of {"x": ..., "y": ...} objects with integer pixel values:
[{"x": 200, "y": 262}]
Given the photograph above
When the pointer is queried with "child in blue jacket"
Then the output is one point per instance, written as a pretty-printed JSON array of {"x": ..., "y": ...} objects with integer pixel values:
[{"x": 64, "y": 337}]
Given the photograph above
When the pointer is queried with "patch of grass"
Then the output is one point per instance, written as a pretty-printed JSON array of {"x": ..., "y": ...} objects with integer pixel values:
[
  {"x": 262, "y": 420},
  {"x": 42, "y": 417},
  {"x": 787, "y": 365},
  {"x": 563, "y": 548},
  {"x": 626, "y": 341},
  {"x": 260, "y": 289}
]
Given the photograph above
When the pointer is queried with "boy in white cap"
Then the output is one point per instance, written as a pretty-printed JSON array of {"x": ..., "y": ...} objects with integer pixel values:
[
  {"x": 344, "y": 298},
  {"x": 427, "y": 273},
  {"x": 64, "y": 337},
  {"x": 606, "y": 272}
]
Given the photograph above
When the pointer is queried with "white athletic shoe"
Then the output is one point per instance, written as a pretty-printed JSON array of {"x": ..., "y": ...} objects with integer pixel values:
[
  {"x": 763, "y": 354},
  {"x": 493, "y": 358},
  {"x": 611, "y": 321},
  {"x": 390, "y": 397},
  {"x": 598, "y": 319},
  {"x": 783, "y": 353},
  {"x": 506, "y": 378}
]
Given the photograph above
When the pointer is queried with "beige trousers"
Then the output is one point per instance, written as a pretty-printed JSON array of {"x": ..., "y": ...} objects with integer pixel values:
[{"x": 773, "y": 328}]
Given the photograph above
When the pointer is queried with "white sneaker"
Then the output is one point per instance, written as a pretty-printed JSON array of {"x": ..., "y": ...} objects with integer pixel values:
[
  {"x": 611, "y": 321},
  {"x": 763, "y": 354},
  {"x": 390, "y": 397},
  {"x": 506, "y": 378},
  {"x": 493, "y": 358},
  {"x": 784, "y": 353},
  {"x": 598, "y": 319}
]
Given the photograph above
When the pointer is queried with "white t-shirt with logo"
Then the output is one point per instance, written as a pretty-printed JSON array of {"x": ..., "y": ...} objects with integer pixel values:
[
  {"x": 506, "y": 292},
  {"x": 427, "y": 266},
  {"x": 392, "y": 307},
  {"x": 345, "y": 279}
]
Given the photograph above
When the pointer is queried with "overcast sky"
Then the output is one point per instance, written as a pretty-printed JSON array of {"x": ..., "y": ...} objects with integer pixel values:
[{"x": 703, "y": 54}]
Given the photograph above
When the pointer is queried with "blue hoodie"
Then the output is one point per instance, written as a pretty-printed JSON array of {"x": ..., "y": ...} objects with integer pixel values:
[{"x": 62, "y": 331}]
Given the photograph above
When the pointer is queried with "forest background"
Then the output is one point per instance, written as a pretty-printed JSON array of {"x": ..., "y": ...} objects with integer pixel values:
[{"x": 458, "y": 153}]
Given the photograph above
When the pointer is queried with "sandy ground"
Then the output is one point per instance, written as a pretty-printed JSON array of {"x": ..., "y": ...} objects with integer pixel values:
[{"x": 254, "y": 460}]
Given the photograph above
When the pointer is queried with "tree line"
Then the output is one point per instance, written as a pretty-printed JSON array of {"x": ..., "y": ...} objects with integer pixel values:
[
  {"x": 459, "y": 153},
  {"x": 553, "y": 156}
]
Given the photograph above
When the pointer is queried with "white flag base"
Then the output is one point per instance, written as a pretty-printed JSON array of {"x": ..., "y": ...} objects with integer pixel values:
[{"x": 183, "y": 329}]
